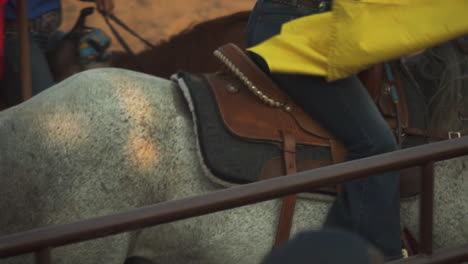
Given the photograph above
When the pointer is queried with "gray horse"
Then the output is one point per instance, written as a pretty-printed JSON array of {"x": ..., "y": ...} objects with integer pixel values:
[{"x": 109, "y": 140}]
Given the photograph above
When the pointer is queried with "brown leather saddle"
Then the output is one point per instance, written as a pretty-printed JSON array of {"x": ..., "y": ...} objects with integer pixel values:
[{"x": 254, "y": 108}]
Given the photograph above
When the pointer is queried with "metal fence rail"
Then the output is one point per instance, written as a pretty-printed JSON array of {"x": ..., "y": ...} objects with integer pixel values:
[{"x": 42, "y": 240}]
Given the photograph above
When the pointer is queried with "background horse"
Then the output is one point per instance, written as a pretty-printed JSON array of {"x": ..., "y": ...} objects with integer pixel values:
[
  {"x": 188, "y": 50},
  {"x": 109, "y": 140}
]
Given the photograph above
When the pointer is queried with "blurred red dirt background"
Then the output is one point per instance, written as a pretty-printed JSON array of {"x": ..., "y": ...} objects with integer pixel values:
[{"x": 154, "y": 20}]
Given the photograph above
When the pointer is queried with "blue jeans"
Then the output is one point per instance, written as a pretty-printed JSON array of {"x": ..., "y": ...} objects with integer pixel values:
[
  {"x": 41, "y": 75},
  {"x": 329, "y": 246},
  {"x": 369, "y": 207}
]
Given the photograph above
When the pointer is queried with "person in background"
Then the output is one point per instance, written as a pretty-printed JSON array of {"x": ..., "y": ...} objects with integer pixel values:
[{"x": 44, "y": 21}]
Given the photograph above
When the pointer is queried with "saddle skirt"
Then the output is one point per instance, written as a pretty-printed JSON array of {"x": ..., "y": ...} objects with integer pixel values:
[{"x": 242, "y": 117}]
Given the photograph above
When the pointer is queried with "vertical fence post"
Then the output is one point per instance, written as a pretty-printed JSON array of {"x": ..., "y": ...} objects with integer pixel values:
[
  {"x": 25, "y": 52},
  {"x": 426, "y": 214},
  {"x": 43, "y": 256}
]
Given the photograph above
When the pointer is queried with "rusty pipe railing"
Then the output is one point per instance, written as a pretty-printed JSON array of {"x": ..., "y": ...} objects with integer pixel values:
[
  {"x": 39, "y": 239},
  {"x": 25, "y": 52}
]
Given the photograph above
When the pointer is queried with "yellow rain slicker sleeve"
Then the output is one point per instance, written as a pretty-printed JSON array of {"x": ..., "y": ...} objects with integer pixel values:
[{"x": 356, "y": 34}]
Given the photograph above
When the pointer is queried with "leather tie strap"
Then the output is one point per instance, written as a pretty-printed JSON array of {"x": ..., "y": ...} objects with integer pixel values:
[
  {"x": 289, "y": 202},
  {"x": 425, "y": 133}
]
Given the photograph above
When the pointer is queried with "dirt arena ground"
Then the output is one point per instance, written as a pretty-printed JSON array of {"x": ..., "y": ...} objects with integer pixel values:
[{"x": 154, "y": 19}]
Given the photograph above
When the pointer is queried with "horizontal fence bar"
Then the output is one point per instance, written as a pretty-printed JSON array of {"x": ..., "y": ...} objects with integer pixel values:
[
  {"x": 169, "y": 211},
  {"x": 450, "y": 255}
]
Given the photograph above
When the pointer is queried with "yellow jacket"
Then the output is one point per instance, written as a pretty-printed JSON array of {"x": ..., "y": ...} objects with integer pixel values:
[{"x": 359, "y": 33}]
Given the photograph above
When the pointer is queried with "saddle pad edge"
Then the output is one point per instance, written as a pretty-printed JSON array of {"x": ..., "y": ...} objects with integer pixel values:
[{"x": 188, "y": 98}]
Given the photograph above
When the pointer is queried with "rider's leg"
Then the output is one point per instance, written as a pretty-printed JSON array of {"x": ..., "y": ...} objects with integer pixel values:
[
  {"x": 368, "y": 206},
  {"x": 325, "y": 246}
]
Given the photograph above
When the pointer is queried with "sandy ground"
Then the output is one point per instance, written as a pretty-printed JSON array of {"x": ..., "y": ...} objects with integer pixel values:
[{"x": 154, "y": 19}]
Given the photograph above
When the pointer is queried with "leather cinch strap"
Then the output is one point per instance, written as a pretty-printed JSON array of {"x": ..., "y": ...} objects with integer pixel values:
[
  {"x": 272, "y": 97},
  {"x": 289, "y": 202}
]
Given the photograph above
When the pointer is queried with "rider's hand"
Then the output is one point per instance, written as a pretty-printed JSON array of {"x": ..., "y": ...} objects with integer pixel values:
[{"x": 105, "y": 6}]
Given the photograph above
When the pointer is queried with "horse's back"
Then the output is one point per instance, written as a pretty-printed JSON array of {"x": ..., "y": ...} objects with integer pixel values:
[{"x": 83, "y": 148}]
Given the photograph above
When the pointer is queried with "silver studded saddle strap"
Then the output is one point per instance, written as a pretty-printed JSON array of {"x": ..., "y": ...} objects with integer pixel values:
[
  {"x": 260, "y": 84},
  {"x": 239, "y": 64}
]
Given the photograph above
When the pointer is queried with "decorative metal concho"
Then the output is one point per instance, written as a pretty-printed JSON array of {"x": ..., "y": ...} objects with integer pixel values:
[{"x": 254, "y": 89}]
